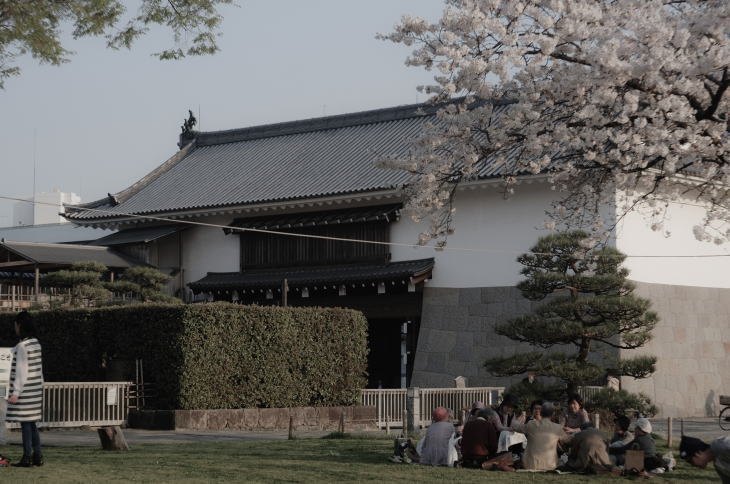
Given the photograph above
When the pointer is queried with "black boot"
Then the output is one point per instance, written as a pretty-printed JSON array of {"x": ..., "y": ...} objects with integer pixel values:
[
  {"x": 23, "y": 462},
  {"x": 37, "y": 460}
]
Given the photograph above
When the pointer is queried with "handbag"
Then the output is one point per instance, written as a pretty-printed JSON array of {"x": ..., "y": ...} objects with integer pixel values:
[{"x": 634, "y": 460}]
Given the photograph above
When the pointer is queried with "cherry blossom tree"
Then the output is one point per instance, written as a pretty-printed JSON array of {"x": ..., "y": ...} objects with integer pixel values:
[{"x": 617, "y": 102}]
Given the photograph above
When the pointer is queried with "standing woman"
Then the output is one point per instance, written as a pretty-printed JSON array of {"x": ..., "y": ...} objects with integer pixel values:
[{"x": 26, "y": 390}]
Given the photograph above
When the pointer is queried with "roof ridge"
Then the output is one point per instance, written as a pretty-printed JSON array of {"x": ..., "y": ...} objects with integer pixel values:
[
  {"x": 321, "y": 123},
  {"x": 136, "y": 187}
]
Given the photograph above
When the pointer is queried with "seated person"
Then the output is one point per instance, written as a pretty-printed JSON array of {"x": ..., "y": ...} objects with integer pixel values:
[
  {"x": 535, "y": 408},
  {"x": 574, "y": 415},
  {"x": 506, "y": 414},
  {"x": 699, "y": 454},
  {"x": 475, "y": 408},
  {"x": 588, "y": 451},
  {"x": 479, "y": 440},
  {"x": 622, "y": 436},
  {"x": 503, "y": 420},
  {"x": 543, "y": 437},
  {"x": 642, "y": 441},
  {"x": 436, "y": 449}
]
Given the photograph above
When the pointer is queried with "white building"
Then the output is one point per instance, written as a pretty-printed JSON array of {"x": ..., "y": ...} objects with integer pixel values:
[
  {"x": 47, "y": 208},
  {"x": 318, "y": 177}
]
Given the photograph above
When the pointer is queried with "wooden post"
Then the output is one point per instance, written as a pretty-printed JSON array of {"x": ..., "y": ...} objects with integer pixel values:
[
  {"x": 341, "y": 426},
  {"x": 284, "y": 291},
  {"x": 112, "y": 438},
  {"x": 669, "y": 432},
  {"x": 387, "y": 427},
  {"x": 37, "y": 282},
  {"x": 291, "y": 428},
  {"x": 413, "y": 409},
  {"x": 405, "y": 424},
  {"x": 596, "y": 418}
]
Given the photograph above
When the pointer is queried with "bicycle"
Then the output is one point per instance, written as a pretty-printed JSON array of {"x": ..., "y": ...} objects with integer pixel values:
[{"x": 724, "y": 417}]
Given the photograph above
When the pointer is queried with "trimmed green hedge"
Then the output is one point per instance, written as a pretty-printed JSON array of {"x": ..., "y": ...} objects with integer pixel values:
[{"x": 218, "y": 355}]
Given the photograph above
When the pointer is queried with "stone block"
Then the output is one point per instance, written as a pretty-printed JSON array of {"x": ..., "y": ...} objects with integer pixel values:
[
  {"x": 251, "y": 418},
  {"x": 459, "y": 323},
  {"x": 442, "y": 296},
  {"x": 363, "y": 417},
  {"x": 457, "y": 368},
  {"x": 469, "y": 296},
  {"x": 191, "y": 419},
  {"x": 269, "y": 419},
  {"x": 303, "y": 417},
  {"x": 216, "y": 420},
  {"x": 491, "y": 295},
  {"x": 463, "y": 348},
  {"x": 436, "y": 363},
  {"x": 441, "y": 340}
]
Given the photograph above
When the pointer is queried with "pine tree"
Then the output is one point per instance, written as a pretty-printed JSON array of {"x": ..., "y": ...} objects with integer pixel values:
[{"x": 591, "y": 309}]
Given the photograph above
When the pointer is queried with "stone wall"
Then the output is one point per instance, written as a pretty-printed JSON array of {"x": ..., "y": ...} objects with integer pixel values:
[
  {"x": 692, "y": 342},
  {"x": 457, "y": 334},
  {"x": 256, "y": 419}
]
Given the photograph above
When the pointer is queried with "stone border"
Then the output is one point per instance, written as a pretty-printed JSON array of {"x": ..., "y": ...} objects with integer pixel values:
[{"x": 256, "y": 419}]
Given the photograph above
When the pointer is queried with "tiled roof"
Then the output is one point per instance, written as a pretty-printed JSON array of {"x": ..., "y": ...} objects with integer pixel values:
[
  {"x": 303, "y": 276},
  {"x": 319, "y": 157},
  {"x": 67, "y": 254},
  {"x": 138, "y": 235},
  {"x": 388, "y": 213},
  {"x": 59, "y": 233}
]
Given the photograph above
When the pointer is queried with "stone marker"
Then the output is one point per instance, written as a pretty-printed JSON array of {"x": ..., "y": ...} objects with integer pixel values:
[{"x": 112, "y": 438}]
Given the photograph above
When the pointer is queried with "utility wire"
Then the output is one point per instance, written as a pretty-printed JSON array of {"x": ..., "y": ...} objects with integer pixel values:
[{"x": 337, "y": 239}]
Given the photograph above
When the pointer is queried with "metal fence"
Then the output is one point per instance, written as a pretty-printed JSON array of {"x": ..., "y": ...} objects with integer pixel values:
[
  {"x": 391, "y": 403},
  {"x": 77, "y": 404}
]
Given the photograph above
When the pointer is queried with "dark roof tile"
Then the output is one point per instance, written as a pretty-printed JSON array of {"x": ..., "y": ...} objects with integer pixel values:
[{"x": 303, "y": 276}]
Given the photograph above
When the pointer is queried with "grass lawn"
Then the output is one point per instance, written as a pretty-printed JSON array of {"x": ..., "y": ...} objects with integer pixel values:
[{"x": 306, "y": 460}]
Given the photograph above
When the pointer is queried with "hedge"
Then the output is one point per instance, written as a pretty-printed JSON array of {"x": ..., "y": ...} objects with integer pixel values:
[{"x": 208, "y": 356}]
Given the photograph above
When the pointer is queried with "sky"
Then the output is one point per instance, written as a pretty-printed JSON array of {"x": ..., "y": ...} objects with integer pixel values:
[{"x": 105, "y": 119}]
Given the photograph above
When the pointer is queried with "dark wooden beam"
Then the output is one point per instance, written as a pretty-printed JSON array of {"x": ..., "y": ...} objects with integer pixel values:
[{"x": 17, "y": 263}]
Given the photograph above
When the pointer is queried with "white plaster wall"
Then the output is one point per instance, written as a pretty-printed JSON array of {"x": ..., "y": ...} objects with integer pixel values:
[
  {"x": 634, "y": 237},
  {"x": 208, "y": 249},
  {"x": 483, "y": 220}
]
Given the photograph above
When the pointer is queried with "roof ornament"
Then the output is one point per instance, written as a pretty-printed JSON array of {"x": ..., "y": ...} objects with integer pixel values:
[
  {"x": 187, "y": 133},
  {"x": 189, "y": 123}
]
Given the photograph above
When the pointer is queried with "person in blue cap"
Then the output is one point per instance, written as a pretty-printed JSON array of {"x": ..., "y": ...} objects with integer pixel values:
[{"x": 699, "y": 454}]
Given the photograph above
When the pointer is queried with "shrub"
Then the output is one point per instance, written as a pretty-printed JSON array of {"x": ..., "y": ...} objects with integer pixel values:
[
  {"x": 525, "y": 393},
  {"x": 621, "y": 402},
  {"x": 592, "y": 309},
  {"x": 217, "y": 355}
]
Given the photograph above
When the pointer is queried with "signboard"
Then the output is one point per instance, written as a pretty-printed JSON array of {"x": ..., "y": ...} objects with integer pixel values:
[{"x": 6, "y": 360}]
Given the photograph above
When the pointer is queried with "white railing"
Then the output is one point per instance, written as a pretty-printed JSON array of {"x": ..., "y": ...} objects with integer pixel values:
[
  {"x": 77, "y": 404},
  {"x": 588, "y": 392},
  {"x": 390, "y": 404},
  {"x": 456, "y": 399}
]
